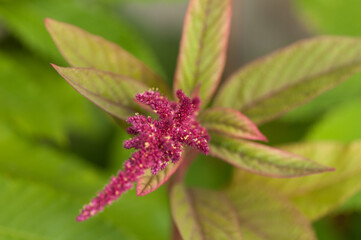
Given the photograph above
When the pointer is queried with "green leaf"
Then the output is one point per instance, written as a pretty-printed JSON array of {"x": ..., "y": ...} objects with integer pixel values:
[
  {"x": 117, "y": 154},
  {"x": 264, "y": 215},
  {"x": 331, "y": 17},
  {"x": 111, "y": 92},
  {"x": 261, "y": 159},
  {"x": 238, "y": 212},
  {"x": 341, "y": 123},
  {"x": 348, "y": 116},
  {"x": 145, "y": 1},
  {"x": 82, "y": 49},
  {"x": 318, "y": 194},
  {"x": 203, "y": 47},
  {"x": 40, "y": 164},
  {"x": 149, "y": 182},
  {"x": 23, "y": 159},
  {"x": 231, "y": 123},
  {"x": 25, "y": 20},
  {"x": 270, "y": 87},
  {"x": 351, "y": 205},
  {"x": 325, "y": 230},
  {"x": 149, "y": 213},
  {"x": 201, "y": 214},
  {"x": 208, "y": 172},
  {"x": 36, "y": 102},
  {"x": 34, "y": 212},
  {"x": 342, "y": 94}
]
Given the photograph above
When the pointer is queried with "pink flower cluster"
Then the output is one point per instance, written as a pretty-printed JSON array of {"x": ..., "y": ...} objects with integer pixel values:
[{"x": 158, "y": 142}]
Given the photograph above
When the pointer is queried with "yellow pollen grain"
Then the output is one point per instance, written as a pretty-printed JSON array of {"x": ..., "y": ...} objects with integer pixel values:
[{"x": 146, "y": 144}]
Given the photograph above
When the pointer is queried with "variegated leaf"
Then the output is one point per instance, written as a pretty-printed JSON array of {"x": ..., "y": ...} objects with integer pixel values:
[
  {"x": 149, "y": 182},
  {"x": 261, "y": 159},
  {"x": 318, "y": 194},
  {"x": 109, "y": 91},
  {"x": 239, "y": 212},
  {"x": 264, "y": 215},
  {"x": 231, "y": 123},
  {"x": 272, "y": 86},
  {"x": 204, "y": 215},
  {"x": 203, "y": 47},
  {"x": 82, "y": 49}
]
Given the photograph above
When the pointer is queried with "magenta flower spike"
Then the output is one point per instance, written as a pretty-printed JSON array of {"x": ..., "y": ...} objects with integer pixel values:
[{"x": 157, "y": 141}]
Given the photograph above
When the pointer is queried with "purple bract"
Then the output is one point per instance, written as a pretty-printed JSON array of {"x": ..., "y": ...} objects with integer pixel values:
[{"x": 157, "y": 141}]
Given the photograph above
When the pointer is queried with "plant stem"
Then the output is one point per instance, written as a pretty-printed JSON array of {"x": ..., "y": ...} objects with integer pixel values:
[
  {"x": 176, "y": 234},
  {"x": 188, "y": 156}
]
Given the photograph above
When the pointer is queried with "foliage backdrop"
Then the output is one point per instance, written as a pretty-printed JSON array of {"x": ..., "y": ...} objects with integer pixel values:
[{"x": 57, "y": 149}]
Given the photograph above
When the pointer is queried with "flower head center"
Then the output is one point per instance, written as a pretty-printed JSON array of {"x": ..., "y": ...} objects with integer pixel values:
[{"x": 158, "y": 141}]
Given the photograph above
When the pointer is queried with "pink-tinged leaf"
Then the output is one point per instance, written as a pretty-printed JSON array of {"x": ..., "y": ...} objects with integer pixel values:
[
  {"x": 111, "y": 92},
  {"x": 274, "y": 85},
  {"x": 82, "y": 49},
  {"x": 264, "y": 215},
  {"x": 261, "y": 159},
  {"x": 319, "y": 194},
  {"x": 149, "y": 182},
  {"x": 231, "y": 123},
  {"x": 203, "y": 47},
  {"x": 238, "y": 212},
  {"x": 204, "y": 215}
]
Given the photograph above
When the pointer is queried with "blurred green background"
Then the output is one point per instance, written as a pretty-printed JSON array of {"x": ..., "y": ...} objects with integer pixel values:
[{"x": 57, "y": 149}]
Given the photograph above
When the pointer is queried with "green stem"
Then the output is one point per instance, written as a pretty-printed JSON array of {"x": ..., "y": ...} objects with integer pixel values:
[{"x": 188, "y": 156}]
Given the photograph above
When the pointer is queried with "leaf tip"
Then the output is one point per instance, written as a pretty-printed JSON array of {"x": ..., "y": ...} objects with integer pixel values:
[
  {"x": 323, "y": 169},
  {"x": 141, "y": 191},
  {"x": 197, "y": 91},
  {"x": 320, "y": 169},
  {"x": 262, "y": 137},
  {"x": 257, "y": 135},
  {"x": 48, "y": 22},
  {"x": 330, "y": 169},
  {"x": 141, "y": 194},
  {"x": 56, "y": 67}
]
